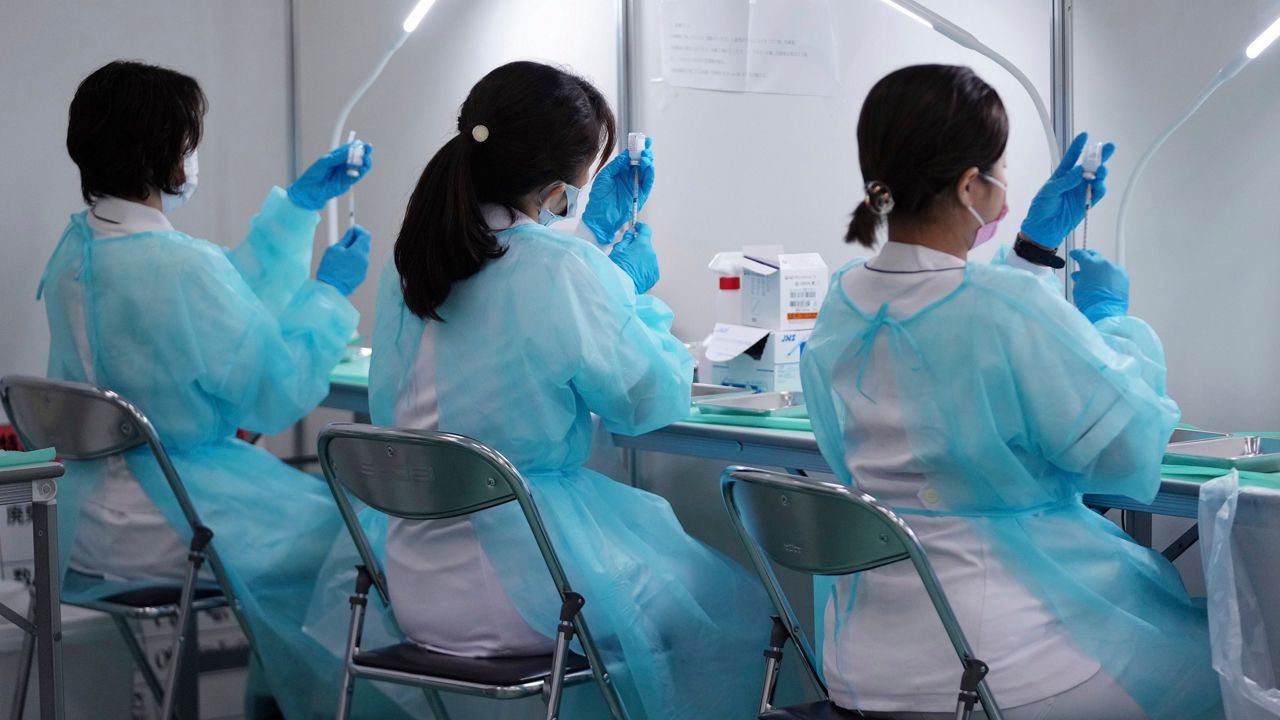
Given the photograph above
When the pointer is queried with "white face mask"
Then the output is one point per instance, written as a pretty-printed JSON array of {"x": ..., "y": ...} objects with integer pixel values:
[{"x": 190, "y": 168}]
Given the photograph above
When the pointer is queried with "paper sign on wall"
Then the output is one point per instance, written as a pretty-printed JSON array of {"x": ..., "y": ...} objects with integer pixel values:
[{"x": 762, "y": 46}]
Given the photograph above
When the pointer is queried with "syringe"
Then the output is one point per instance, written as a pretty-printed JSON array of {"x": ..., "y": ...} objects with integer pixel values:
[
  {"x": 355, "y": 159},
  {"x": 1092, "y": 161},
  {"x": 635, "y": 146}
]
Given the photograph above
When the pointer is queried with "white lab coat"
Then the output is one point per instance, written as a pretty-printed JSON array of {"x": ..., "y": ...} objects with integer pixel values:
[{"x": 1029, "y": 652}]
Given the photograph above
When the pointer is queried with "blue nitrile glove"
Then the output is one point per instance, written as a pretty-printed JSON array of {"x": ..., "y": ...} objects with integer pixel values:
[
  {"x": 1059, "y": 206},
  {"x": 344, "y": 265},
  {"x": 327, "y": 178},
  {"x": 610, "y": 205},
  {"x": 635, "y": 255},
  {"x": 1101, "y": 287}
]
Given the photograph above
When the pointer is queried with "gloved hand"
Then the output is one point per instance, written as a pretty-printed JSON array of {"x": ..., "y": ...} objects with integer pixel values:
[
  {"x": 635, "y": 255},
  {"x": 1059, "y": 206},
  {"x": 327, "y": 178},
  {"x": 1101, "y": 287},
  {"x": 344, "y": 265},
  {"x": 610, "y": 205}
]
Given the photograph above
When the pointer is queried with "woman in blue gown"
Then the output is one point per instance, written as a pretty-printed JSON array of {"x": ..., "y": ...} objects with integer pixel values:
[
  {"x": 980, "y": 405},
  {"x": 493, "y": 325},
  {"x": 204, "y": 341}
]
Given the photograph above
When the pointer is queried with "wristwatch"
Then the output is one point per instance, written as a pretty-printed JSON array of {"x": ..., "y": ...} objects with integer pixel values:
[{"x": 1035, "y": 254}]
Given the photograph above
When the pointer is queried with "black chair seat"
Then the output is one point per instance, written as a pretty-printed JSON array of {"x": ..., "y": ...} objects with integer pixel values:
[
  {"x": 502, "y": 672},
  {"x": 812, "y": 711},
  {"x": 157, "y": 596}
]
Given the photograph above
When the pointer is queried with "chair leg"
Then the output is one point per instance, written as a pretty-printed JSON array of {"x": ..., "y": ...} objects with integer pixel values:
[
  {"x": 22, "y": 680},
  {"x": 436, "y": 704},
  {"x": 974, "y": 672},
  {"x": 569, "y": 610},
  {"x": 359, "y": 602},
  {"x": 772, "y": 662},
  {"x": 182, "y": 640},
  {"x": 139, "y": 658}
]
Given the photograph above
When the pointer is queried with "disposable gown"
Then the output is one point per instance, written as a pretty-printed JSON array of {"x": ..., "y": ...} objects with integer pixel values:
[
  {"x": 531, "y": 346},
  {"x": 1014, "y": 406},
  {"x": 205, "y": 341},
  {"x": 1239, "y": 534}
]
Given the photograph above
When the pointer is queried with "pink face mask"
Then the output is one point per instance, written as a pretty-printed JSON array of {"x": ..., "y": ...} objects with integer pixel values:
[{"x": 987, "y": 230}]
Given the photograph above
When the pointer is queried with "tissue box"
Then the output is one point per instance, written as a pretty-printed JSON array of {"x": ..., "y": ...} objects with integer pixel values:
[{"x": 756, "y": 359}]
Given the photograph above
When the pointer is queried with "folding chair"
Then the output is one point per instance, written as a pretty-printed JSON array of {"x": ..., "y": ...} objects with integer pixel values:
[
  {"x": 85, "y": 422},
  {"x": 819, "y": 528},
  {"x": 419, "y": 475}
]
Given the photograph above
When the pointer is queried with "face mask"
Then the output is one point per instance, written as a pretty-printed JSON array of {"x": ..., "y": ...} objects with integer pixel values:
[
  {"x": 987, "y": 230},
  {"x": 547, "y": 217},
  {"x": 190, "y": 168}
]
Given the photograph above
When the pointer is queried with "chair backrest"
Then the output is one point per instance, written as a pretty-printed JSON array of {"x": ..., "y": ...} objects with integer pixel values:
[
  {"x": 815, "y": 527},
  {"x": 82, "y": 421},
  {"x": 421, "y": 475},
  {"x": 821, "y": 528}
]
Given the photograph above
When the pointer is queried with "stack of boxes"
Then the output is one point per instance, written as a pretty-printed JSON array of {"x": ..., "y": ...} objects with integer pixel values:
[{"x": 781, "y": 296}]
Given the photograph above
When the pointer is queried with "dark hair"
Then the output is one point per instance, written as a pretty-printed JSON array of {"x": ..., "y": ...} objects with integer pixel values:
[
  {"x": 921, "y": 128},
  {"x": 543, "y": 125},
  {"x": 130, "y": 126}
]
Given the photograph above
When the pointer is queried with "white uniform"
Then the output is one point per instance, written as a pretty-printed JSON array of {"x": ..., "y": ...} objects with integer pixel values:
[
  {"x": 1030, "y": 655},
  {"x": 122, "y": 534},
  {"x": 443, "y": 559}
]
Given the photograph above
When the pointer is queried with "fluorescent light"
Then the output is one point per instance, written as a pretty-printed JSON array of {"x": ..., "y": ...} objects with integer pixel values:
[
  {"x": 910, "y": 14},
  {"x": 1264, "y": 40},
  {"x": 415, "y": 16}
]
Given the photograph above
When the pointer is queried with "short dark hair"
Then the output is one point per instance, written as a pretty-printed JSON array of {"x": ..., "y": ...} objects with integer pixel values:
[
  {"x": 542, "y": 125},
  {"x": 130, "y": 126},
  {"x": 920, "y": 129}
]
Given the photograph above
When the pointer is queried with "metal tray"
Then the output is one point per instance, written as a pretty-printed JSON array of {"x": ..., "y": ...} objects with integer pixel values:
[
  {"x": 776, "y": 404},
  {"x": 1182, "y": 435},
  {"x": 706, "y": 391},
  {"x": 1258, "y": 454}
]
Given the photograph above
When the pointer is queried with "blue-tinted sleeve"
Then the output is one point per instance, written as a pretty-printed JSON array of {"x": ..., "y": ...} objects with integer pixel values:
[
  {"x": 275, "y": 257},
  {"x": 1092, "y": 399},
  {"x": 627, "y": 366},
  {"x": 266, "y": 370}
]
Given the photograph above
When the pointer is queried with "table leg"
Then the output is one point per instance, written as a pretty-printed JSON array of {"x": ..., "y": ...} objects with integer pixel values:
[
  {"x": 1138, "y": 525},
  {"x": 48, "y": 610}
]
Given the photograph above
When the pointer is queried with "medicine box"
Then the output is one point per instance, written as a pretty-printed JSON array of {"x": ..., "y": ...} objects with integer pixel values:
[{"x": 782, "y": 291}]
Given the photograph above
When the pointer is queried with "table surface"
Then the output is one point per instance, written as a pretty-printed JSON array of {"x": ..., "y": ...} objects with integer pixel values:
[
  {"x": 30, "y": 473},
  {"x": 790, "y": 449}
]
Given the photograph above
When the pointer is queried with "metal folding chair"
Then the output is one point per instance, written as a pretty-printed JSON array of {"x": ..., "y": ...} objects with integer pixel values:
[
  {"x": 85, "y": 422},
  {"x": 819, "y": 528},
  {"x": 418, "y": 475}
]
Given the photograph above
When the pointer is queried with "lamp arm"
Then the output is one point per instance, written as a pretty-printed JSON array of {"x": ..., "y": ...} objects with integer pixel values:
[
  {"x": 966, "y": 39},
  {"x": 336, "y": 140},
  {"x": 1224, "y": 74}
]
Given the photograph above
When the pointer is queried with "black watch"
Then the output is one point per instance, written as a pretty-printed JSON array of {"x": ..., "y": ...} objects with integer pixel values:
[{"x": 1037, "y": 254}]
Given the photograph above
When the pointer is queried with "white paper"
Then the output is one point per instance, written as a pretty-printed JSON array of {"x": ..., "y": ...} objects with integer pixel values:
[
  {"x": 729, "y": 341},
  {"x": 762, "y": 46}
]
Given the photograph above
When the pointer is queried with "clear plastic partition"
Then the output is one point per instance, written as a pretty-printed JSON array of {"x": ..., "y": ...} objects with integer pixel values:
[{"x": 1203, "y": 222}]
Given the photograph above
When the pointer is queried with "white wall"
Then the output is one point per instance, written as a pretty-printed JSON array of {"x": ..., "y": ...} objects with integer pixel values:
[
  {"x": 1204, "y": 231},
  {"x": 737, "y": 169},
  {"x": 235, "y": 48}
]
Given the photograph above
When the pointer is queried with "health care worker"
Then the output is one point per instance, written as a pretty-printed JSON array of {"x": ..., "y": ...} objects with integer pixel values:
[
  {"x": 493, "y": 325},
  {"x": 204, "y": 341},
  {"x": 980, "y": 405}
]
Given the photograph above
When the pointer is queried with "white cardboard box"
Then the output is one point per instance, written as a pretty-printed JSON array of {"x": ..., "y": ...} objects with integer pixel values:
[
  {"x": 755, "y": 358},
  {"x": 781, "y": 291}
]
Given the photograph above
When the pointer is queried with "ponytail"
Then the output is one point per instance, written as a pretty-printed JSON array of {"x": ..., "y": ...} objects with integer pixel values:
[
  {"x": 523, "y": 126},
  {"x": 867, "y": 216},
  {"x": 444, "y": 237}
]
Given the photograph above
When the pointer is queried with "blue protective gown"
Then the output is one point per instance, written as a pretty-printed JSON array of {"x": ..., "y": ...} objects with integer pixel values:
[
  {"x": 205, "y": 341},
  {"x": 1014, "y": 406},
  {"x": 531, "y": 346}
]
